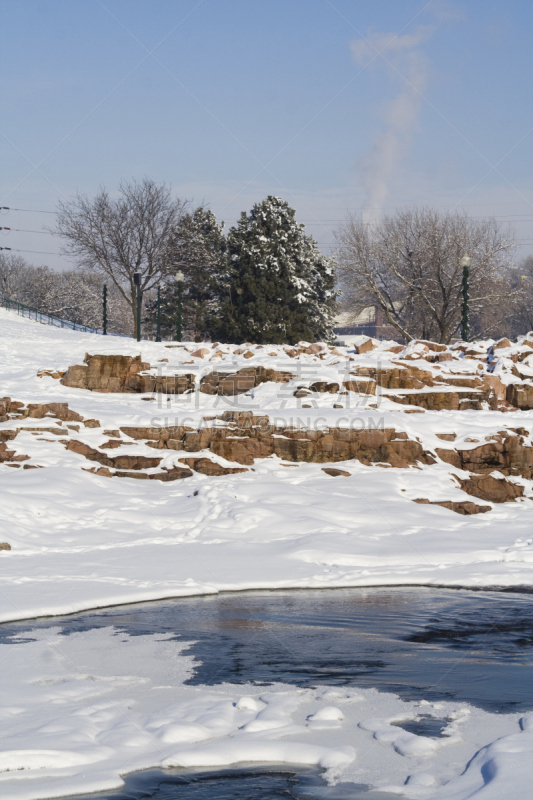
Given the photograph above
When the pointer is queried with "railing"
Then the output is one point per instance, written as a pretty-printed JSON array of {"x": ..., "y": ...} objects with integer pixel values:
[{"x": 48, "y": 319}]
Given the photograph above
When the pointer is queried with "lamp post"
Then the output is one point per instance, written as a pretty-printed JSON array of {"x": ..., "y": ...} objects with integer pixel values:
[
  {"x": 179, "y": 307},
  {"x": 137, "y": 282},
  {"x": 158, "y": 333},
  {"x": 104, "y": 311},
  {"x": 465, "y": 263}
]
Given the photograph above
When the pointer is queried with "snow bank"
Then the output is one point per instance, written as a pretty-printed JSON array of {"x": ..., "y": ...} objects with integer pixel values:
[{"x": 79, "y": 712}]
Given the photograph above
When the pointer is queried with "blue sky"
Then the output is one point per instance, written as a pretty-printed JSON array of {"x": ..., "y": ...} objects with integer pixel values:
[{"x": 330, "y": 104}]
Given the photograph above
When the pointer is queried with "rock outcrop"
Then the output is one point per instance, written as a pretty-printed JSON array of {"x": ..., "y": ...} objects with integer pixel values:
[
  {"x": 488, "y": 488},
  {"x": 207, "y": 467},
  {"x": 245, "y": 379},
  {"x": 112, "y": 373},
  {"x": 464, "y": 507},
  {"x": 520, "y": 395},
  {"x": 133, "y": 462},
  {"x": 506, "y": 453},
  {"x": 243, "y": 438}
]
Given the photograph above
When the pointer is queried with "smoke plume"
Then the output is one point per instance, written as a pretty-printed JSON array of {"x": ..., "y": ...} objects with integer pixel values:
[{"x": 409, "y": 66}]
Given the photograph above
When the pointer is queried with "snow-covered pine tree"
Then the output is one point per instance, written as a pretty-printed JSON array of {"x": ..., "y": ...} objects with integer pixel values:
[
  {"x": 281, "y": 288},
  {"x": 196, "y": 248}
]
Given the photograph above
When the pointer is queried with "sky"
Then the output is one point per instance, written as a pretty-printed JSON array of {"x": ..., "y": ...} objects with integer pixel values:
[{"x": 338, "y": 106}]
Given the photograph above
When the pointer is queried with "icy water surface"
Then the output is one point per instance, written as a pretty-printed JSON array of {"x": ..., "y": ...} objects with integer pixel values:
[
  {"x": 433, "y": 644},
  {"x": 245, "y": 784}
]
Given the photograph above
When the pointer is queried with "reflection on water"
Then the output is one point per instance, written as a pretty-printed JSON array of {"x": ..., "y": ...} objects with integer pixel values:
[{"x": 434, "y": 644}]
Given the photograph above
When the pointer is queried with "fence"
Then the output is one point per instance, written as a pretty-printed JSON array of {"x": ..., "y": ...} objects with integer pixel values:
[{"x": 48, "y": 319}]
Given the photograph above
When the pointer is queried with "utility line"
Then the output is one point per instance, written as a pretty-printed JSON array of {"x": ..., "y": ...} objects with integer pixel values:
[
  {"x": 39, "y": 252},
  {"x": 25, "y": 230},
  {"x": 29, "y": 210}
]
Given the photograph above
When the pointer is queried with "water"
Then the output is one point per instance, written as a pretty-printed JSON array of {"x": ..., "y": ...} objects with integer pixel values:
[
  {"x": 424, "y": 725},
  {"x": 232, "y": 784},
  {"x": 432, "y": 644}
]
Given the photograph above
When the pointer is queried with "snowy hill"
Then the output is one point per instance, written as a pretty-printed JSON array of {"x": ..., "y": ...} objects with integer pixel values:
[
  {"x": 87, "y": 539},
  {"x": 133, "y": 472}
]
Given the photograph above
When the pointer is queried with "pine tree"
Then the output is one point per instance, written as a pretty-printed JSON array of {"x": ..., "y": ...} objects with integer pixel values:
[
  {"x": 280, "y": 287},
  {"x": 197, "y": 248}
]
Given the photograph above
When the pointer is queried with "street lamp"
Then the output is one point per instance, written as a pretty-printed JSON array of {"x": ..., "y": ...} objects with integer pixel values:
[
  {"x": 104, "y": 310},
  {"x": 465, "y": 263},
  {"x": 158, "y": 319},
  {"x": 179, "y": 276},
  {"x": 137, "y": 283}
]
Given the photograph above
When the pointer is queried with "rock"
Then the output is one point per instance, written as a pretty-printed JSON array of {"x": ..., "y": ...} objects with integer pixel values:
[
  {"x": 365, "y": 347},
  {"x": 207, "y": 467},
  {"x": 362, "y": 386},
  {"x": 397, "y": 348},
  {"x": 335, "y": 473},
  {"x": 5, "y": 546},
  {"x": 104, "y": 472},
  {"x": 438, "y": 401},
  {"x": 494, "y": 384},
  {"x": 463, "y": 507},
  {"x": 247, "y": 437},
  {"x": 444, "y": 356},
  {"x": 134, "y": 462},
  {"x": 448, "y": 437},
  {"x": 91, "y": 423},
  {"x": 403, "y": 376},
  {"x": 468, "y": 381},
  {"x": 200, "y": 353},
  {"x": 171, "y": 474},
  {"x": 323, "y": 386},
  {"x": 106, "y": 373},
  {"x": 502, "y": 343},
  {"x": 9, "y": 455},
  {"x": 433, "y": 346},
  {"x": 486, "y": 487},
  {"x": 59, "y": 410},
  {"x": 114, "y": 433},
  {"x": 112, "y": 373},
  {"x": 7, "y": 436},
  {"x": 520, "y": 395},
  {"x": 233, "y": 383},
  {"x": 506, "y": 453}
]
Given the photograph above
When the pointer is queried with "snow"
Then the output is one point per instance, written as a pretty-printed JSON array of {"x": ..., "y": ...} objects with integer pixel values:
[{"x": 81, "y": 711}]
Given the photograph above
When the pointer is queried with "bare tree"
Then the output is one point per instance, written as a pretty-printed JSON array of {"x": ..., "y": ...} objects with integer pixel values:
[
  {"x": 11, "y": 270},
  {"x": 120, "y": 237},
  {"x": 409, "y": 265},
  {"x": 73, "y": 295},
  {"x": 521, "y": 313}
]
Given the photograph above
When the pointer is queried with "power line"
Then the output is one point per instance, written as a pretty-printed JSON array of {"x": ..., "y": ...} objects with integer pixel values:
[
  {"x": 25, "y": 230},
  {"x": 29, "y": 210},
  {"x": 39, "y": 252}
]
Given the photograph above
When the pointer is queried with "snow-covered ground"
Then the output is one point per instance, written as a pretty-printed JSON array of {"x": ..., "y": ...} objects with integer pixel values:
[{"x": 80, "y": 711}]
